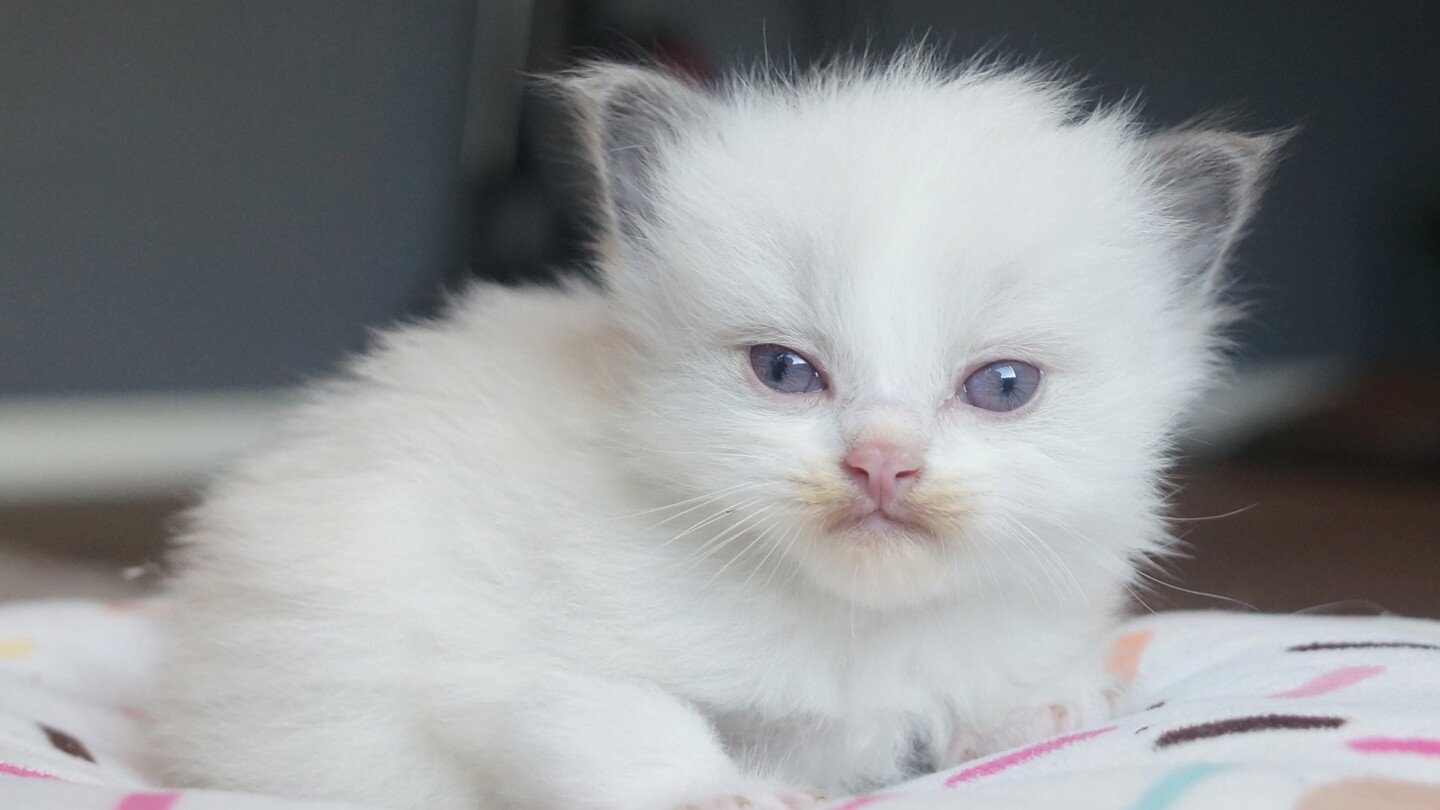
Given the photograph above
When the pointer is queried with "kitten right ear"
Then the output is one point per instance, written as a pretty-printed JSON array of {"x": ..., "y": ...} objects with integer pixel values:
[{"x": 628, "y": 116}]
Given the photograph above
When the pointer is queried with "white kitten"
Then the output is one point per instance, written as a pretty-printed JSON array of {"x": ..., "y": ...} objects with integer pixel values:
[{"x": 840, "y": 477}]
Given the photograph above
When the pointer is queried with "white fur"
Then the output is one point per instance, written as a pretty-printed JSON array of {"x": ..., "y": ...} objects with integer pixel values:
[{"x": 558, "y": 549}]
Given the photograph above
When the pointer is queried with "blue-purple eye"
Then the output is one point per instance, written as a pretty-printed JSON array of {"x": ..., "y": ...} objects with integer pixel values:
[
  {"x": 1003, "y": 385},
  {"x": 785, "y": 370}
]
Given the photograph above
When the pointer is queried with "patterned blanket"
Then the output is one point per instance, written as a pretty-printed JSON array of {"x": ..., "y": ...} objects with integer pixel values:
[{"x": 1224, "y": 710}]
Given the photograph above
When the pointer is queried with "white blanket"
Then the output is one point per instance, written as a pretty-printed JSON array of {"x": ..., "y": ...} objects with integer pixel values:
[{"x": 1223, "y": 710}]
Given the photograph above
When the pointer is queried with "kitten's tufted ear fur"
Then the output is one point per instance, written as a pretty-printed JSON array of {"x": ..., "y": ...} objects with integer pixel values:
[
  {"x": 1209, "y": 184},
  {"x": 628, "y": 116}
]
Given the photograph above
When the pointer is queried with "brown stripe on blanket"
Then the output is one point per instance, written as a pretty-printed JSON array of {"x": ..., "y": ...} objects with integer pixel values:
[
  {"x": 1363, "y": 645},
  {"x": 66, "y": 743},
  {"x": 1245, "y": 725}
]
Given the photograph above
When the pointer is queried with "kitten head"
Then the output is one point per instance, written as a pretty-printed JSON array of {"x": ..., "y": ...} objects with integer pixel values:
[{"x": 913, "y": 331}]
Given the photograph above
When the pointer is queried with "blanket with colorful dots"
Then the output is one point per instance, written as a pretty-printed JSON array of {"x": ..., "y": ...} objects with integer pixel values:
[{"x": 1222, "y": 710}]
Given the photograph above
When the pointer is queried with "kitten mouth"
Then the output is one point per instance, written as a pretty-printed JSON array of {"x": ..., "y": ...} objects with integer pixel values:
[
  {"x": 883, "y": 521},
  {"x": 845, "y": 513}
]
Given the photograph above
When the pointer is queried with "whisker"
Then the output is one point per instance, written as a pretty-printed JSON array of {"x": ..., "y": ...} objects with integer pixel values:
[
  {"x": 1002, "y": 547},
  {"x": 1232, "y": 513},
  {"x": 990, "y": 576},
  {"x": 1232, "y": 600},
  {"x": 854, "y": 577},
  {"x": 1024, "y": 545},
  {"x": 714, "y": 544},
  {"x": 1138, "y": 568},
  {"x": 675, "y": 451},
  {"x": 703, "y": 498},
  {"x": 763, "y": 560},
  {"x": 761, "y": 536},
  {"x": 1064, "y": 566},
  {"x": 785, "y": 556},
  {"x": 1371, "y": 608},
  {"x": 712, "y": 518}
]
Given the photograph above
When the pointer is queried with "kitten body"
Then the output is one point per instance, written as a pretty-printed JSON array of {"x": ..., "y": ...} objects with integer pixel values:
[{"x": 565, "y": 548}]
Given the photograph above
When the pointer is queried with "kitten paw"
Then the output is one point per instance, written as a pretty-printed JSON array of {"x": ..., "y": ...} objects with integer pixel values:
[
  {"x": 1069, "y": 705},
  {"x": 758, "y": 798},
  {"x": 1065, "y": 705}
]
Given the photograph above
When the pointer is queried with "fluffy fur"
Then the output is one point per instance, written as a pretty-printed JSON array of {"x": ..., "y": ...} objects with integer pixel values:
[{"x": 560, "y": 549}]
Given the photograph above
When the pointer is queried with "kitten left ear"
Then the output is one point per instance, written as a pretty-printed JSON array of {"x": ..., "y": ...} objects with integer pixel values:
[
  {"x": 628, "y": 116},
  {"x": 1209, "y": 183}
]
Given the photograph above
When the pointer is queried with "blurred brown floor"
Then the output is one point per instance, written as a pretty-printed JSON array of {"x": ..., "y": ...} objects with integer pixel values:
[
  {"x": 103, "y": 550},
  {"x": 1307, "y": 537}
]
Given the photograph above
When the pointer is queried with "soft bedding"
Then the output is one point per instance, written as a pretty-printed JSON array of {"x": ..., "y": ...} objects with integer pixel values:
[{"x": 1223, "y": 710}]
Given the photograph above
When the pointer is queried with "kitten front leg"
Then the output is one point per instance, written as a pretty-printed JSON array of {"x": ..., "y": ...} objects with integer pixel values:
[{"x": 581, "y": 742}]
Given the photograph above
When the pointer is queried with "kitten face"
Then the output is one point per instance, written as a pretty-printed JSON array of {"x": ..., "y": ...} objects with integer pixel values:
[{"x": 900, "y": 232}]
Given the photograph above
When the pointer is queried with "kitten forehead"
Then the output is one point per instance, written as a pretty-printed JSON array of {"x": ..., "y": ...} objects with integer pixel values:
[
  {"x": 893, "y": 152},
  {"x": 911, "y": 214}
]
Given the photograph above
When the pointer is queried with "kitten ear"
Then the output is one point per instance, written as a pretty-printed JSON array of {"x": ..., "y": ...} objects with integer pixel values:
[
  {"x": 1209, "y": 183},
  {"x": 628, "y": 116}
]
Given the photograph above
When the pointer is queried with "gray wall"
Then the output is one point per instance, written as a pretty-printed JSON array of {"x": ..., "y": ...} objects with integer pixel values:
[
  {"x": 214, "y": 193},
  {"x": 196, "y": 193}
]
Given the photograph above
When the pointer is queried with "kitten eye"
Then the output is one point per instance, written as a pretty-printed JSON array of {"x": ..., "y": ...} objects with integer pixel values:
[
  {"x": 1003, "y": 385},
  {"x": 785, "y": 370}
]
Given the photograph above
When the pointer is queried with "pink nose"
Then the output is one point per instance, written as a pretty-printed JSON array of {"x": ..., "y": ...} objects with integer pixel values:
[{"x": 884, "y": 471}]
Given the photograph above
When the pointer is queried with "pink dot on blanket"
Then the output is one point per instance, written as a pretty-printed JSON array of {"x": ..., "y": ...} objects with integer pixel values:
[
  {"x": 1332, "y": 681},
  {"x": 148, "y": 801},
  {"x": 1125, "y": 653},
  {"x": 1010, "y": 760},
  {"x": 1419, "y": 746},
  {"x": 24, "y": 773}
]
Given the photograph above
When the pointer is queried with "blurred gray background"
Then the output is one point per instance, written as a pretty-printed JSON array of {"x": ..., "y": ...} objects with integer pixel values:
[
  {"x": 203, "y": 203},
  {"x": 212, "y": 194}
]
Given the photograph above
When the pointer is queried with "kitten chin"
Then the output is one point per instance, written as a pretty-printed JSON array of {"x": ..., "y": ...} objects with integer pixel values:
[{"x": 883, "y": 566}]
